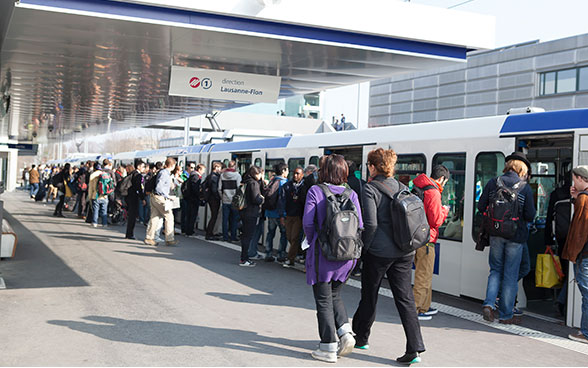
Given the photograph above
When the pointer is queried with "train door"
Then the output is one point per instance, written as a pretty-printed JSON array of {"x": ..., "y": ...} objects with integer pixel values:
[
  {"x": 356, "y": 154},
  {"x": 551, "y": 161},
  {"x": 574, "y": 305},
  {"x": 223, "y": 158},
  {"x": 244, "y": 160}
]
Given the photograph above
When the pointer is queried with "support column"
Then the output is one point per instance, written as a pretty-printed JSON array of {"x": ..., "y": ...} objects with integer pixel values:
[{"x": 186, "y": 131}]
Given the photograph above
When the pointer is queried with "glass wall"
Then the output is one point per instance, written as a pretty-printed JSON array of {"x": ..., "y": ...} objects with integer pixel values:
[
  {"x": 453, "y": 194},
  {"x": 408, "y": 167},
  {"x": 488, "y": 165}
]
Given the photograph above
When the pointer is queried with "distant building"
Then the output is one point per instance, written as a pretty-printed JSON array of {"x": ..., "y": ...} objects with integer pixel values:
[{"x": 552, "y": 75}]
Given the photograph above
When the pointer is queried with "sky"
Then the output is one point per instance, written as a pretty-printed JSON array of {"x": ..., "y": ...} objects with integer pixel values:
[{"x": 519, "y": 21}]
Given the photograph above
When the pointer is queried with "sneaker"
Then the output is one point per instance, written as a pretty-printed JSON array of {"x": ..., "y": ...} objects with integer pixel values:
[
  {"x": 159, "y": 240},
  {"x": 325, "y": 356},
  {"x": 150, "y": 242},
  {"x": 511, "y": 321},
  {"x": 346, "y": 343},
  {"x": 247, "y": 264},
  {"x": 431, "y": 312},
  {"x": 517, "y": 312},
  {"x": 488, "y": 313},
  {"x": 171, "y": 243},
  {"x": 269, "y": 259},
  {"x": 409, "y": 358},
  {"x": 94, "y": 225},
  {"x": 282, "y": 259},
  {"x": 288, "y": 264},
  {"x": 362, "y": 347},
  {"x": 258, "y": 257},
  {"x": 300, "y": 260},
  {"x": 424, "y": 317},
  {"x": 578, "y": 336}
]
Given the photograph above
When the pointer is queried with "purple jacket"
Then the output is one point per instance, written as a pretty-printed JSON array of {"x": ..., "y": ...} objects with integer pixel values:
[{"x": 316, "y": 204}]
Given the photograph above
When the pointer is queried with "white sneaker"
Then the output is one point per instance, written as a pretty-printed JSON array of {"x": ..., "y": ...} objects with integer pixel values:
[
  {"x": 95, "y": 225},
  {"x": 325, "y": 356},
  {"x": 346, "y": 344},
  {"x": 258, "y": 257},
  {"x": 158, "y": 239}
]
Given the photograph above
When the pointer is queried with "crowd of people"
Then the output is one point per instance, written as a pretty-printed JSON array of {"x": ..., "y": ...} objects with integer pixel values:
[{"x": 336, "y": 225}]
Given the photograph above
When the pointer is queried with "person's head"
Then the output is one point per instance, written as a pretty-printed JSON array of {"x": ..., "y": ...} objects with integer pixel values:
[
  {"x": 518, "y": 167},
  {"x": 232, "y": 164},
  {"x": 255, "y": 172},
  {"x": 216, "y": 167},
  {"x": 152, "y": 167},
  {"x": 440, "y": 174},
  {"x": 170, "y": 163},
  {"x": 298, "y": 174},
  {"x": 106, "y": 163},
  {"x": 140, "y": 165},
  {"x": 67, "y": 168},
  {"x": 130, "y": 168},
  {"x": 381, "y": 162},
  {"x": 158, "y": 165},
  {"x": 281, "y": 169},
  {"x": 200, "y": 168},
  {"x": 580, "y": 177},
  {"x": 32, "y": 167},
  {"x": 334, "y": 170},
  {"x": 177, "y": 170},
  {"x": 309, "y": 170},
  {"x": 191, "y": 167},
  {"x": 518, "y": 163},
  {"x": 352, "y": 167}
]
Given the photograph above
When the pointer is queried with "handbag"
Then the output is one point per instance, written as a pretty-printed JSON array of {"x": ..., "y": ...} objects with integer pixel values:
[{"x": 548, "y": 273}]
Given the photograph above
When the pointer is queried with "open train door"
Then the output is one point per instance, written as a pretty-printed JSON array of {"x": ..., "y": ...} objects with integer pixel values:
[
  {"x": 574, "y": 307},
  {"x": 204, "y": 213}
]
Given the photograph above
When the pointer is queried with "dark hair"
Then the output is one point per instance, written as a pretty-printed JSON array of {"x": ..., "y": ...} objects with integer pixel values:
[
  {"x": 158, "y": 165},
  {"x": 333, "y": 170},
  {"x": 32, "y": 166},
  {"x": 253, "y": 170},
  {"x": 352, "y": 166},
  {"x": 151, "y": 166},
  {"x": 440, "y": 171},
  {"x": 138, "y": 163},
  {"x": 280, "y": 168},
  {"x": 106, "y": 162}
]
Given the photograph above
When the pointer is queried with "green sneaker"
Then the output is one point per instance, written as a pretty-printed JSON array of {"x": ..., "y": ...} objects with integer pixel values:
[
  {"x": 409, "y": 358},
  {"x": 362, "y": 347}
]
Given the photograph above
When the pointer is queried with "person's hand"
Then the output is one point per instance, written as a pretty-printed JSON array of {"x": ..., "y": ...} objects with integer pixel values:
[
  {"x": 573, "y": 191},
  {"x": 144, "y": 203},
  {"x": 282, "y": 221}
]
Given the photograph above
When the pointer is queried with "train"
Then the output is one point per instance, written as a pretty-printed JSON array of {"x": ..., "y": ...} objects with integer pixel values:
[{"x": 472, "y": 149}]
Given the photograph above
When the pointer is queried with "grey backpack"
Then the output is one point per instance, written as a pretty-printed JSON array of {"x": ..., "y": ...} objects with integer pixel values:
[{"x": 340, "y": 234}]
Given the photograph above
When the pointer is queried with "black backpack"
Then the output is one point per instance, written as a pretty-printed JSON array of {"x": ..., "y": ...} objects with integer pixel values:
[
  {"x": 271, "y": 194},
  {"x": 126, "y": 184},
  {"x": 340, "y": 234},
  {"x": 151, "y": 183},
  {"x": 420, "y": 192},
  {"x": 239, "y": 202},
  {"x": 504, "y": 209},
  {"x": 410, "y": 228}
]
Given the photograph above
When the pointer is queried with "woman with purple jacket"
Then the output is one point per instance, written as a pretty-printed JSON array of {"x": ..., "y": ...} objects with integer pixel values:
[{"x": 328, "y": 280}]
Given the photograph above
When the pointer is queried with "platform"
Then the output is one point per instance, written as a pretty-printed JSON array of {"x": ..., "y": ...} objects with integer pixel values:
[{"x": 78, "y": 296}]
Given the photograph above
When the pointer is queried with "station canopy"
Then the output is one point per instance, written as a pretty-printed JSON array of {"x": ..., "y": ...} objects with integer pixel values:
[{"x": 88, "y": 66}]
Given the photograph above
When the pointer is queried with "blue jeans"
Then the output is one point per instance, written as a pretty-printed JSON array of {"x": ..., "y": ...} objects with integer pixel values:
[
  {"x": 505, "y": 261},
  {"x": 525, "y": 262},
  {"x": 272, "y": 225},
  {"x": 99, "y": 208},
  {"x": 256, "y": 236},
  {"x": 144, "y": 210},
  {"x": 34, "y": 189},
  {"x": 581, "y": 272},
  {"x": 230, "y": 219}
]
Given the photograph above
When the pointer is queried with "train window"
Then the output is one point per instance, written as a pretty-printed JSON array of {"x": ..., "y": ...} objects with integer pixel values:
[
  {"x": 293, "y": 163},
  {"x": 314, "y": 160},
  {"x": 269, "y": 166},
  {"x": 257, "y": 162},
  {"x": 226, "y": 162},
  {"x": 453, "y": 194},
  {"x": 543, "y": 182},
  {"x": 488, "y": 165},
  {"x": 408, "y": 167}
]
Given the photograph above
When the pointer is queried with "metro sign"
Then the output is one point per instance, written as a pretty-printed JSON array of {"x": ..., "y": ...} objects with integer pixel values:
[{"x": 194, "y": 82}]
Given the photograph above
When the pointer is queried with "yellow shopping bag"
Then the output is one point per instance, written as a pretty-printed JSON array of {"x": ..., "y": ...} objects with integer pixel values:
[{"x": 548, "y": 273}]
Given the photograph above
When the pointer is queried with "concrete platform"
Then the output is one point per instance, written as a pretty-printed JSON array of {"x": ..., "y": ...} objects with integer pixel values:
[{"x": 80, "y": 296}]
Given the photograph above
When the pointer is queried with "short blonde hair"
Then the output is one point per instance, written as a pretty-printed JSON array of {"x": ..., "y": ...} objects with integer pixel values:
[{"x": 517, "y": 166}]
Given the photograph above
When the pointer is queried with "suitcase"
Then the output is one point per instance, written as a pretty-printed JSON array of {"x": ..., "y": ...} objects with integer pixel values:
[{"x": 40, "y": 195}]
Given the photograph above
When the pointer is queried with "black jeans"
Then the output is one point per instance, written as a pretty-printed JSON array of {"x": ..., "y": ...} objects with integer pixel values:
[
  {"x": 249, "y": 224},
  {"x": 192, "y": 208},
  {"x": 214, "y": 204},
  {"x": 398, "y": 271},
  {"x": 330, "y": 310},
  {"x": 132, "y": 212},
  {"x": 59, "y": 207}
]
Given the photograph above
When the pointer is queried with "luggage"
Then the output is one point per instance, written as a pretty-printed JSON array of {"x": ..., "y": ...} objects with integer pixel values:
[
  {"x": 340, "y": 234},
  {"x": 40, "y": 194}
]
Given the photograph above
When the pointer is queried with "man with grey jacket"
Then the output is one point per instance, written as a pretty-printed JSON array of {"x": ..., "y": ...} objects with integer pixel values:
[{"x": 228, "y": 183}]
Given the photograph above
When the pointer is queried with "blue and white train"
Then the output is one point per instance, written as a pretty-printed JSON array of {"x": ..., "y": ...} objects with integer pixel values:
[{"x": 474, "y": 151}]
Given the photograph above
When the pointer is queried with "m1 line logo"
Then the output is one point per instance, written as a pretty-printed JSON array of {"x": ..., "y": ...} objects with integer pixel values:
[{"x": 194, "y": 82}]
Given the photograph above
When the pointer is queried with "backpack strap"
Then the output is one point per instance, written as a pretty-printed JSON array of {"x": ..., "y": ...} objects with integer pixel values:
[{"x": 384, "y": 188}]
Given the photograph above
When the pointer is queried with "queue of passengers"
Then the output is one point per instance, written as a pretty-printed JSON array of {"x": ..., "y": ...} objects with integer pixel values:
[{"x": 335, "y": 219}]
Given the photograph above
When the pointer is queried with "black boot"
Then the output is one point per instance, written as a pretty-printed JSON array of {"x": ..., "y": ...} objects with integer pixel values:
[{"x": 409, "y": 358}]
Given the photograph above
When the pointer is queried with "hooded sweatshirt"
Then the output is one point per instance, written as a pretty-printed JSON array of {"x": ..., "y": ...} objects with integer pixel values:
[
  {"x": 436, "y": 213},
  {"x": 227, "y": 185}
]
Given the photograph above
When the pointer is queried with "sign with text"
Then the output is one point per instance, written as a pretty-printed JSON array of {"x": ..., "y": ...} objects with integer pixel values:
[{"x": 222, "y": 85}]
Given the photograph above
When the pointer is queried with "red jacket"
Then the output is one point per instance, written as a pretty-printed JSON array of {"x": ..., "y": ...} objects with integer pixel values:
[{"x": 436, "y": 213}]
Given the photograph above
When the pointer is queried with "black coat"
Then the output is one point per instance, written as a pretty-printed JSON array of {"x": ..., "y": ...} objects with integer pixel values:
[{"x": 253, "y": 199}]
